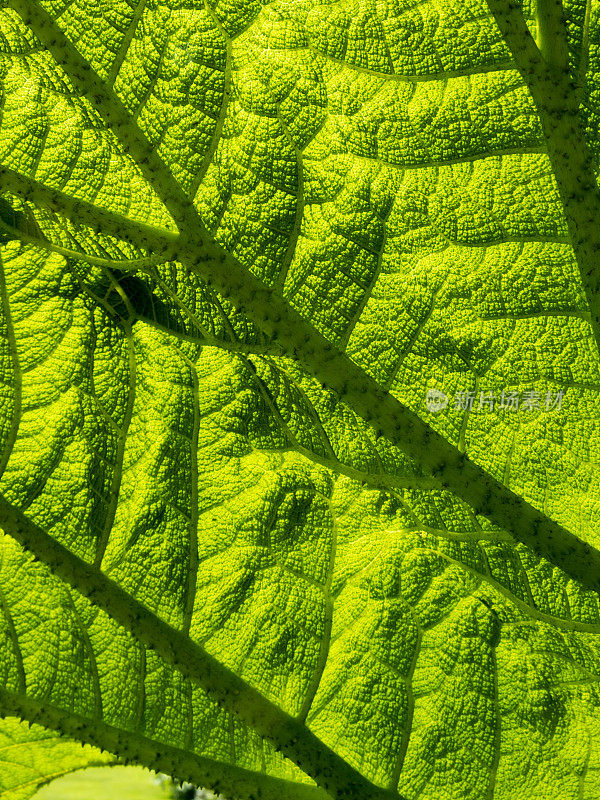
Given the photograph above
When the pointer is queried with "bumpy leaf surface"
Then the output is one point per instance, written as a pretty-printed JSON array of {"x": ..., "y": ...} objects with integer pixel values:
[
  {"x": 383, "y": 168},
  {"x": 32, "y": 756}
]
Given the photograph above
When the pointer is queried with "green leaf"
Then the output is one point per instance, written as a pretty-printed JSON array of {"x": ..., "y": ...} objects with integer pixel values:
[
  {"x": 240, "y": 243},
  {"x": 31, "y": 756},
  {"x": 103, "y": 783}
]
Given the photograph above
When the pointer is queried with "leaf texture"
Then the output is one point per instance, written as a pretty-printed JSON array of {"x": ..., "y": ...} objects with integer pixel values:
[
  {"x": 382, "y": 175},
  {"x": 32, "y": 756}
]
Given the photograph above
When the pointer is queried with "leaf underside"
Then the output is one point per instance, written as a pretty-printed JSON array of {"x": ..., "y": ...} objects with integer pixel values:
[{"x": 245, "y": 575}]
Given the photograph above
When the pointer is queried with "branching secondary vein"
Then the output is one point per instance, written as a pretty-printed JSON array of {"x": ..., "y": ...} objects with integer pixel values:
[
  {"x": 222, "y": 685},
  {"x": 199, "y": 252}
]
